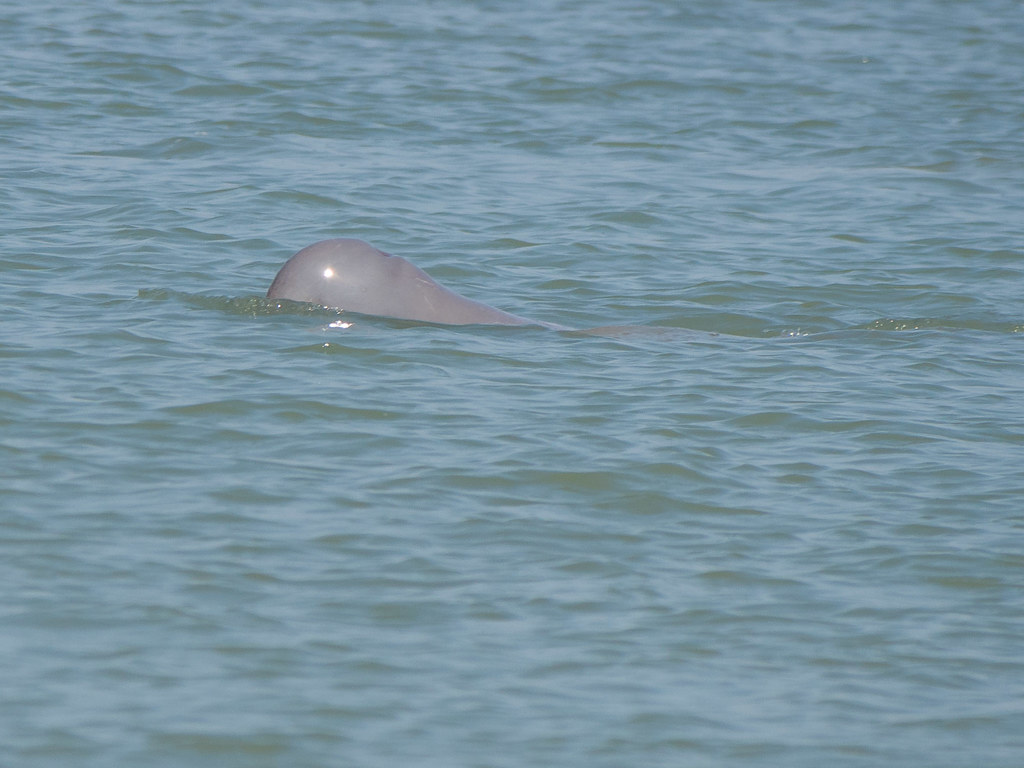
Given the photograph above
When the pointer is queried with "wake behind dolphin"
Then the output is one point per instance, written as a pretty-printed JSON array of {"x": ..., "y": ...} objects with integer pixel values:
[{"x": 352, "y": 275}]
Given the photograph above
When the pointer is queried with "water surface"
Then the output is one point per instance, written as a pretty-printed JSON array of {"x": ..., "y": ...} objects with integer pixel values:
[{"x": 776, "y": 522}]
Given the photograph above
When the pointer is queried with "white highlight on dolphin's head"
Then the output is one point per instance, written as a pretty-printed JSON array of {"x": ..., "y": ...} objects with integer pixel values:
[{"x": 328, "y": 272}]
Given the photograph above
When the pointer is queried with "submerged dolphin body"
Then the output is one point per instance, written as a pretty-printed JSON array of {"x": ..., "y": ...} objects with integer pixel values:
[{"x": 352, "y": 275}]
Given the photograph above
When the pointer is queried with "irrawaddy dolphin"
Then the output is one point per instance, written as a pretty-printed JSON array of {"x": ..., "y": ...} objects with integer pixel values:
[{"x": 354, "y": 276}]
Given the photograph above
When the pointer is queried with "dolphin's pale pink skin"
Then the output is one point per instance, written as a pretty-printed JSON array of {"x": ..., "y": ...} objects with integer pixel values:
[{"x": 354, "y": 276}]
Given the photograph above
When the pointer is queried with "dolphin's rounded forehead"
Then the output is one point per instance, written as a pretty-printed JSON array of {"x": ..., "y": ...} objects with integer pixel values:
[
  {"x": 328, "y": 259},
  {"x": 340, "y": 250},
  {"x": 340, "y": 272},
  {"x": 351, "y": 274}
]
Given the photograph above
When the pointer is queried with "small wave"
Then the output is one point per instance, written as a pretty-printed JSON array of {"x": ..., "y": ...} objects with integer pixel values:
[
  {"x": 942, "y": 324},
  {"x": 241, "y": 305},
  {"x": 727, "y": 324}
]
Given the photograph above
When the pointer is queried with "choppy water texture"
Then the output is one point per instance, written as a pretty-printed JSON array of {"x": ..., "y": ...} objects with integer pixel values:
[{"x": 776, "y": 520}]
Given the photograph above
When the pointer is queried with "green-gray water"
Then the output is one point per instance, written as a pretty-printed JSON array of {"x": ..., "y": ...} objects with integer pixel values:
[{"x": 775, "y": 519}]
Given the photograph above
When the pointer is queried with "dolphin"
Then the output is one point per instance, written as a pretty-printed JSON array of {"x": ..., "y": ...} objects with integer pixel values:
[{"x": 352, "y": 275}]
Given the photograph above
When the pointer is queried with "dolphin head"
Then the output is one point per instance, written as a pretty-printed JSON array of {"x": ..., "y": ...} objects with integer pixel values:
[
  {"x": 352, "y": 275},
  {"x": 347, "y": 274}
]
